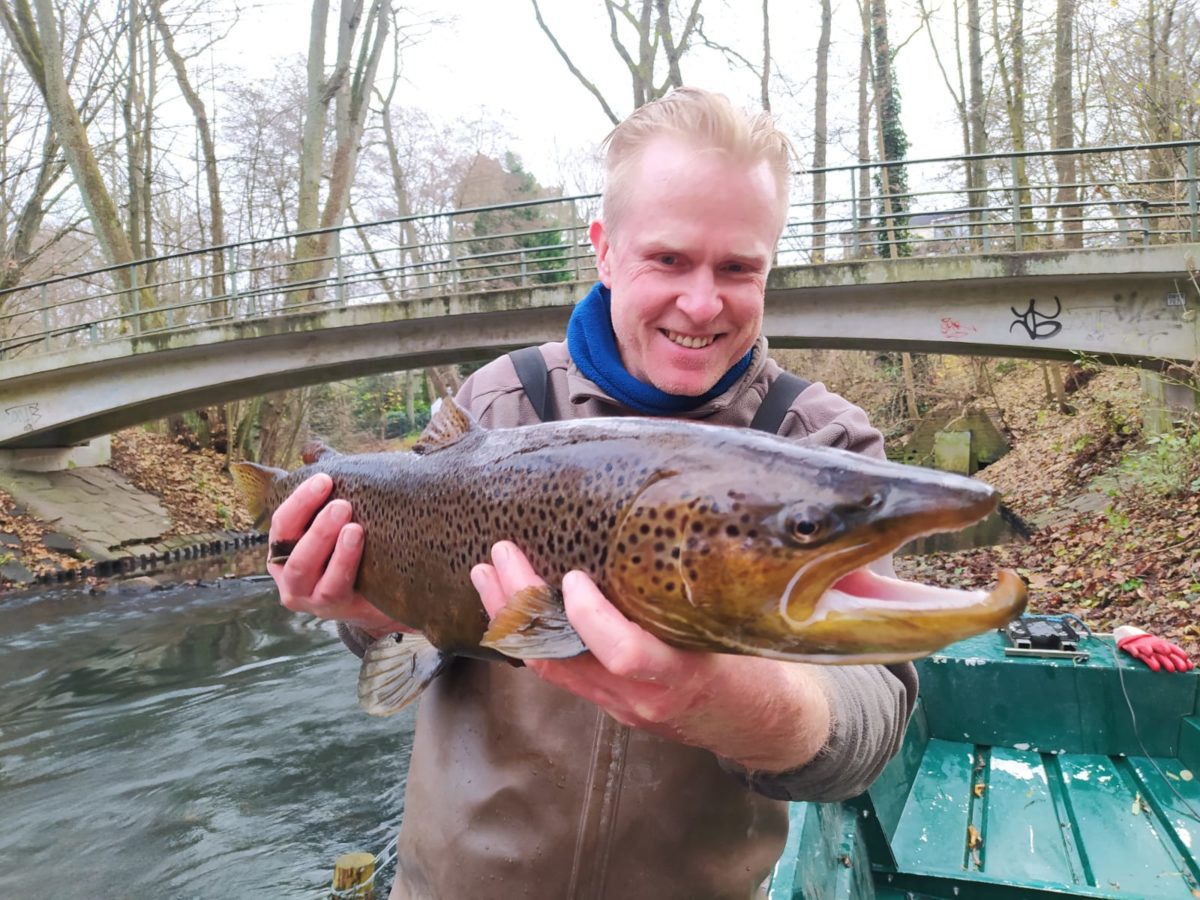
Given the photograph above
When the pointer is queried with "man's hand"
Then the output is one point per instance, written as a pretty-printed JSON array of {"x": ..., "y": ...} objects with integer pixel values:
[
  {"x": 318, "y": 577},
  {"x": 763, "y": 714}
]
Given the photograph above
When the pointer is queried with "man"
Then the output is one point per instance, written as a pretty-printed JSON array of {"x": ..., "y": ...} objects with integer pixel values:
[{"x": 635, "y": 770}]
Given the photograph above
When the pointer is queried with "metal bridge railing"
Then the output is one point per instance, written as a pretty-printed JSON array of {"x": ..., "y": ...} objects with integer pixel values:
[{"x": 1133, "y": 195}]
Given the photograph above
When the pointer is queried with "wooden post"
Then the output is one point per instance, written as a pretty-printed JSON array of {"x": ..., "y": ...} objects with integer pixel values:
[
  {"x": 353, "y": 876},
  {"x": 910, "y": 387}
]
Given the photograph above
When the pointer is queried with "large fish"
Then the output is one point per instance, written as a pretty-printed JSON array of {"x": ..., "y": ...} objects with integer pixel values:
[{"x": 712, "y": 538}]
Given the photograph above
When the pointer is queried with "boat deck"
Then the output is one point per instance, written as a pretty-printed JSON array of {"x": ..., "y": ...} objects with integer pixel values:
[{"x": 1020, "y": 778}]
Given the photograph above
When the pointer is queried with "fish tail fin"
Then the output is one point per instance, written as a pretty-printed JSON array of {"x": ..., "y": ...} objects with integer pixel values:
[
  {"x": 534, "y": 625},
  {"x": 254, "y": 482},
  {"x": 395, "y": 669}
]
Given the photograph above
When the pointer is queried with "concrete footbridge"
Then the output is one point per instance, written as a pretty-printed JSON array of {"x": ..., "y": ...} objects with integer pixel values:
[{"x": 1106, "y": 267}]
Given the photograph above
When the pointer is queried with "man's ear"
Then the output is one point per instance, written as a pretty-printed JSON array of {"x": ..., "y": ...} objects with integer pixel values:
[{"x": 600, "y": 244}]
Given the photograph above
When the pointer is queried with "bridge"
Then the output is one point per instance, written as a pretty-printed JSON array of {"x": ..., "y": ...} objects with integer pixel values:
[{"x": 1105, "y": 266}]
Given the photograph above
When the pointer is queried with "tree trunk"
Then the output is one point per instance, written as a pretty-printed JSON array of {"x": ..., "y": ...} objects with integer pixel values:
[
  {"x": 1011, "y": 44},
  {"x": 1067, "y": 194},
  {"x": 764, "y": 83},
  {"x": 350, "y": 87},
  {"x": 34, "y": 33},
  {"x": 893, "y": 142},
  {"x": 216, "y": 210},
  {"x": 975, "y": 118},
  {"x": 862, "y": 215},
  {"x": 821, "y": 132}
]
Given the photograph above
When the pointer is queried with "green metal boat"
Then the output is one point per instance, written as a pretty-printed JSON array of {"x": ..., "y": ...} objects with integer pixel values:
[{"x": 1020, "y": 777}]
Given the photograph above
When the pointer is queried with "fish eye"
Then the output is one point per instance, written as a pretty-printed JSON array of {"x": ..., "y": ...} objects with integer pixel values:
[{"x": 805, "y": 529}]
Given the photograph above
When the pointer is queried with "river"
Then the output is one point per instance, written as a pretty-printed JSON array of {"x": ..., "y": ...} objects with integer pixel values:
[
  {"x": 194, "y": 742},
  {"x": 198, "y": 741}
]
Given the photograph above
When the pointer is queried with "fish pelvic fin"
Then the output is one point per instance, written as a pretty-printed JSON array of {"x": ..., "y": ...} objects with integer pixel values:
[
  {"x": 534, "y": 625},
  {"x": 254, "y": 482},
  {"x": 395, "y": 670},
  {"x": 449, "y": 425}
]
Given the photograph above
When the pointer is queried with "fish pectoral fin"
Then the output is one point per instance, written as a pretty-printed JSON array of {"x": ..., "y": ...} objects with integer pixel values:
[
  {"x": 534, "y": 625},
  {"x": 395, "y": 669}
]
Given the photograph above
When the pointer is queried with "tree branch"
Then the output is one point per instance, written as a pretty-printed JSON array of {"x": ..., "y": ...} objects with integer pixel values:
[{"x": 570, "y": 65}]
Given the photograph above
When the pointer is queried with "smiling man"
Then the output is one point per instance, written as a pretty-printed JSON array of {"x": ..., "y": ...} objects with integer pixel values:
[{"x": 635, "y": 770}]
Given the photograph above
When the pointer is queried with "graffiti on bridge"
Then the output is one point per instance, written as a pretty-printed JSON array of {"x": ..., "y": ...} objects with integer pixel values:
[
  {"x": 24, "y": 416},
  {"x": 1040, "y": 326}
]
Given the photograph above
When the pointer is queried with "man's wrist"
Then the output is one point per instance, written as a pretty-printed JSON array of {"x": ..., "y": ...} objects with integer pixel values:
[{"x": 795, "y": 724}]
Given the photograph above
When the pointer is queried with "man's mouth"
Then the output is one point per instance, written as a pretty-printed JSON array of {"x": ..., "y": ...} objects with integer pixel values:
[{"x": 685, "y": 340}]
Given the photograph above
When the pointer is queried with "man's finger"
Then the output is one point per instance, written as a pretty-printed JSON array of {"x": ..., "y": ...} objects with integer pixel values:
[
  {"x": 619, "y": 645},
  {"x": 294, "y": 514},
  {"x": 487, "y": 582},
  {"x": 513, "y": 568}
]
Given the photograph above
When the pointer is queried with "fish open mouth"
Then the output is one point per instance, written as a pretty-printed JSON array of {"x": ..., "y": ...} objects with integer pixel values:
[
  {"x": 863, "y": 589},
  {"x": 868, "y": 617}
]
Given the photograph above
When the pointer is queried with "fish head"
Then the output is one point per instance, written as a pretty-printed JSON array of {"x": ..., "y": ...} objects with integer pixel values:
[{"x": 771, "y": 557}]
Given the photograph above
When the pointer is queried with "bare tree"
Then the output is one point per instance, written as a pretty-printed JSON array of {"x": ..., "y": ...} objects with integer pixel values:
[
  {"x": 1067, "y": 195},
  {"x": 976, "y": 178},
  {"x": 35, "y": 34},
  {"x": 862, "y": 215},
  {"x": 30, "y": 166},
  {"x": 359, "y": 47},
  {"x": 1010, "y": 44},
  {"x": 216, "y": 209},
  {"x": 821, "y": 132},
  {"x": 653, "y": 28}
]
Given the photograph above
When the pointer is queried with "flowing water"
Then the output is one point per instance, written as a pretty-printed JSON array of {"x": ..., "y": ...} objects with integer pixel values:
[
  {"x": 198, "y": 741},
  {"x": 194, "y": 742}
]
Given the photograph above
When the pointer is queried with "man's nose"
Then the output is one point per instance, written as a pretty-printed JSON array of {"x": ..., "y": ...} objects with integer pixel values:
[{"x": 699, "y": 299}]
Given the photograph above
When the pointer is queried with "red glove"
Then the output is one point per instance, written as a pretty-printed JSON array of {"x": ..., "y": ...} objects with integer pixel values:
[{"x": 1155, "y": 652}]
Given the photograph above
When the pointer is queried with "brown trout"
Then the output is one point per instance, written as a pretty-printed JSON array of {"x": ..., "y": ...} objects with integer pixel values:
[{"x": 711, "y": 538}]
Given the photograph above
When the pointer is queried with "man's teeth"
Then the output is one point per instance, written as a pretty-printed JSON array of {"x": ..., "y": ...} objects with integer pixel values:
[{"x": 692, "y": 343}]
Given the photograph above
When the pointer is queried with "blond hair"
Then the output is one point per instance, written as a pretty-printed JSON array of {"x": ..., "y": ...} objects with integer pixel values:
[{"x": 703, "y": 119}]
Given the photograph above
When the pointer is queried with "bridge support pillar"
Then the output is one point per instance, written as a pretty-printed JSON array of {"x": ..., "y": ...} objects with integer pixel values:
[
  {"x": 1172, "y": 397},
  {"x": 96, "y": 452}
]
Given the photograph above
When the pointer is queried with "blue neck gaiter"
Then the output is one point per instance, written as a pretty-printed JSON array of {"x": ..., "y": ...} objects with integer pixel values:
[{"x": 593, "y": 346}]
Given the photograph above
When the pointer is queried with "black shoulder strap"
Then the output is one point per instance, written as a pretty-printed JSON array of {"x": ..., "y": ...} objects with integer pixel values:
[
  {"x": 531, "y": 369},
  {"x": 780, "y": 396}
]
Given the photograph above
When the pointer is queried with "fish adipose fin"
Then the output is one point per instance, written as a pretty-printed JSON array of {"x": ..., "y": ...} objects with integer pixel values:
[
  {"x": 534, "y": 625},
  {"x": 395, "y": 670},
  {"x": 315, "y": 451},
  {"x": 254, "y": 481},
  {"x": 449, "y": 425}
]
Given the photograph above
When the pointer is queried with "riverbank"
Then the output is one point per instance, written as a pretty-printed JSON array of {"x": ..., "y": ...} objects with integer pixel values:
[
  {"x": 1115, "y": 512},
  {"x": 156, "y": 504}
]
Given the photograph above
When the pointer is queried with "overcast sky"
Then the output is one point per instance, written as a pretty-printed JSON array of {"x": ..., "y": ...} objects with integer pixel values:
[{"x": 491, "y": 55}]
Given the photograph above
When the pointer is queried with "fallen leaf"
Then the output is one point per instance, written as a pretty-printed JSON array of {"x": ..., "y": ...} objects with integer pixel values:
[{"x": 974, "y": 838}]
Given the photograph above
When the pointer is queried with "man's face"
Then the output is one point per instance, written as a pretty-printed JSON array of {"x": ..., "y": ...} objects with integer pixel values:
[{"x": 687, "y": 265}]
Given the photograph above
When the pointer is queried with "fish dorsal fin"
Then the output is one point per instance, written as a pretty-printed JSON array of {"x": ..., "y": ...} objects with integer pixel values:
[
  {"x": 449, "y": 425},
  {"x": 315, "y": 451}
]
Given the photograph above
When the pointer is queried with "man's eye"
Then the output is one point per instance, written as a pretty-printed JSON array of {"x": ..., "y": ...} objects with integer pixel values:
[{"x": 668, "y": 259}]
